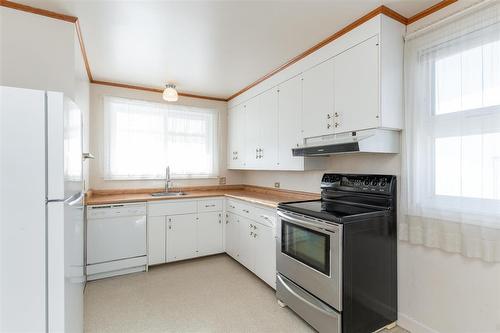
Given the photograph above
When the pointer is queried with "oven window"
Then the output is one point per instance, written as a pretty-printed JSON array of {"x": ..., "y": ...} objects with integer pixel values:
[{"x": 310, "y": 247}]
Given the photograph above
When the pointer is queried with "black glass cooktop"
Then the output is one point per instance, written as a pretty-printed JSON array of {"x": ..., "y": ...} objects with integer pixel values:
[{"x": 331, "y": 211}]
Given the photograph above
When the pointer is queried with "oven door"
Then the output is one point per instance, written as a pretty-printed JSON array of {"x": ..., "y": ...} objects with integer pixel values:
[{"x": 309, "y": 253}]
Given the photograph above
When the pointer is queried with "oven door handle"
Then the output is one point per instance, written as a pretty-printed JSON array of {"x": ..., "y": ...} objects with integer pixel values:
[
  {"x": 327, "y": 312},
  {"x": 331, "y": 229}
]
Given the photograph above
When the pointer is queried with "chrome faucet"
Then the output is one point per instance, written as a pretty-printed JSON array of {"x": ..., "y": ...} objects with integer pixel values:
[{"x": 168, "y": 181}]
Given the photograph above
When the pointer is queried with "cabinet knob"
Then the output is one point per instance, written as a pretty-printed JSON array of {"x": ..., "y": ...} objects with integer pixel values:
[
  {"x": 254, "y": 235},
  {"x": 336, "y": 114},
  {"x": 328, "y": 126},
  {"x": 328, "y": 116},
  {"x": 337, "y": 124},
  {"x": 251, "y": 233}
]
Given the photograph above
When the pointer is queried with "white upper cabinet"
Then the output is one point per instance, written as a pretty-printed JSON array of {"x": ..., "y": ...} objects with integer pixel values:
[
  {"x": 261, "y": 135},
  {"x": 356, "y": 93},
  {"x": 252, "y": 125},
  {"x": 351, "y": 84},
  {"x": 236, "y": 137},
  {"x": 317, "y": 100},
  {"x": 268, "y": 139},
  {"x": 290, "y": 124}
]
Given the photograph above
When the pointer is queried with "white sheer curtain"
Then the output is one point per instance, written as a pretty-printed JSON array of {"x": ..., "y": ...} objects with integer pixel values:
[
  {"x": 451, "y": 162},
  {"x": 142, "y": 138}
]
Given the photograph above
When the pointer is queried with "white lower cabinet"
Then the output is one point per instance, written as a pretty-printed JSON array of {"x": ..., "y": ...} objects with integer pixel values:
[
  {"x": 209, "y": 230},
  {"x": 265, "y": 254},
  {"x": 232, "y": 235},
  {"x": 250, "y": 238},
  {"x": 181, "y": 237},
  {"x": 183, "y": 229},
  {"x": 247, "y": 243},
  {"x": 156, "y": 240}
]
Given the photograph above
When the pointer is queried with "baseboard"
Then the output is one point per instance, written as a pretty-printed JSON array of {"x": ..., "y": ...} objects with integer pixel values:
[{"x": 412, "y": 325}]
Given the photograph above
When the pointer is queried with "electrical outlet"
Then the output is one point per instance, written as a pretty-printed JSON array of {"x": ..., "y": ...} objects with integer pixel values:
[
  {"x": 276, "y": 184},
  {"x": 222, "y": 180}
]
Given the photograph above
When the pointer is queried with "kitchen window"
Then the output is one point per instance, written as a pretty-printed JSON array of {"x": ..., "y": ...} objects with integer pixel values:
[
  {"x": 142, "y": 138},
  {"x": 451, "y": 160}
]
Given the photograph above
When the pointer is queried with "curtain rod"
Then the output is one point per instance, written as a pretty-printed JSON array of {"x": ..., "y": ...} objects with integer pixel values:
[{"x": 453, "y": 16}]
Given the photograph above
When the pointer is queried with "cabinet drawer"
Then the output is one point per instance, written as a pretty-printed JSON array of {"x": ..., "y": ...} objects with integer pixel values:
[
  {"x": 265, "y": 216},
  {"x": 233, "y": 206},
  {"x": 211, "y": 205},
  {"x": 171, "y": 207},
  {"x": 246, "y": 210}
]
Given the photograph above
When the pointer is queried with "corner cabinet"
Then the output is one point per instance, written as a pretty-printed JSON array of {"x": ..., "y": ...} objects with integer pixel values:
[
  {"x": 351, "y": 84},
  {"x": 185, "y": 228}
]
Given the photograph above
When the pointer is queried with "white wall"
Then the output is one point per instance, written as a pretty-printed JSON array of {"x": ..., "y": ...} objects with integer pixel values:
[
  {"x": 39, "y": 52},
  {"x": 309, "y": 180},
  {"x": 97, "y": 92}
]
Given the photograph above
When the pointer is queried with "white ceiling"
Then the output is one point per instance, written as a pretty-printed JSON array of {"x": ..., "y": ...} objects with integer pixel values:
[{"x": 210, "y": 48}]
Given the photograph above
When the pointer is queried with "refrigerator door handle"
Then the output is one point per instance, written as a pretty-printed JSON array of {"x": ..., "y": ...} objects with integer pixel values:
[{"x": 73, "y": 202}]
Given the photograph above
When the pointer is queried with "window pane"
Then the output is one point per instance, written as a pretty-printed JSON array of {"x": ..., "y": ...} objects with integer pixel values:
[
  {"x": 468, "y": 80},
  {"x": 468, "y": 166}
]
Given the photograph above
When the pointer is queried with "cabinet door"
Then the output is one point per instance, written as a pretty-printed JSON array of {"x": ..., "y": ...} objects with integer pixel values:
[
  {"x": 232, "y": 131},
  {"x": 236, "y": 137},
  {"x": 232, "y": 235},
  {"x": 289, "y": 124},
  {"x": 247, "y": 243},
  {"x": 267, "y": 147},
  {"x": 209, "y": 233},
  {"x": 357, "y": 87},
  {"x": 156, "y": 240},
  {"x": 252, "y": 124},
  {"x": 317, "y": 103},
  {"x": 181, "y": 237},
  {"x": 265, "y": 254}
]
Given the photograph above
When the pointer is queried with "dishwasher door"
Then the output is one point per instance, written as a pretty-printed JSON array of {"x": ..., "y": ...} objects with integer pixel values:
[{"x": 115, "y": 232}]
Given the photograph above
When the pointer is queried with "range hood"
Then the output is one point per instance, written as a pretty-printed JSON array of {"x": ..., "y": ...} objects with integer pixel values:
[{"x": 366, "y": 141}]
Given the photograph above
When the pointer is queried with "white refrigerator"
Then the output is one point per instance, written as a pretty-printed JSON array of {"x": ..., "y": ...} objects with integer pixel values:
[{"x": 41, "y": 212}]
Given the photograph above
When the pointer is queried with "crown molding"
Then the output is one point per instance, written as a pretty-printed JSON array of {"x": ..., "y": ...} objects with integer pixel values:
[{"x": 155, "y": 90}]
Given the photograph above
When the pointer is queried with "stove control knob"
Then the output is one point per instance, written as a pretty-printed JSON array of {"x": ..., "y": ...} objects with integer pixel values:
[
  {"x": 367, "y": 182},
  {"x": 375, "y": 182}
]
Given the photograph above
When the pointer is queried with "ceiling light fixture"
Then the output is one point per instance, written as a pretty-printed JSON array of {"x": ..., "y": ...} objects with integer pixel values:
[{"x": 170, "y": 94}]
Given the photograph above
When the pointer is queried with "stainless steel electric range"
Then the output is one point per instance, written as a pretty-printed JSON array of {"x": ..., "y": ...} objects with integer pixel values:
[{"x": 337, "y": 258}]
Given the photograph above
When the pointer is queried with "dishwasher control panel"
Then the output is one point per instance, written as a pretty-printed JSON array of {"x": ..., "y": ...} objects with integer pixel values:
[{"x": 117, "y": 210}]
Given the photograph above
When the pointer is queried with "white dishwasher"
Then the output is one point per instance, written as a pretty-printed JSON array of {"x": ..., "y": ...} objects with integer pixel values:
[{"x": 116, "y": 240}]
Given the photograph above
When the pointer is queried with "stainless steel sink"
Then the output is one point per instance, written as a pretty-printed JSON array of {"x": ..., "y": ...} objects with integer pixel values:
[{"x": 168, "y": 194}]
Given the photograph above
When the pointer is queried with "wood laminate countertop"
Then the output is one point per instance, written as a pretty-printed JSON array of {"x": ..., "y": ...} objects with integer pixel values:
[{"x": 254, "y": 194}]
